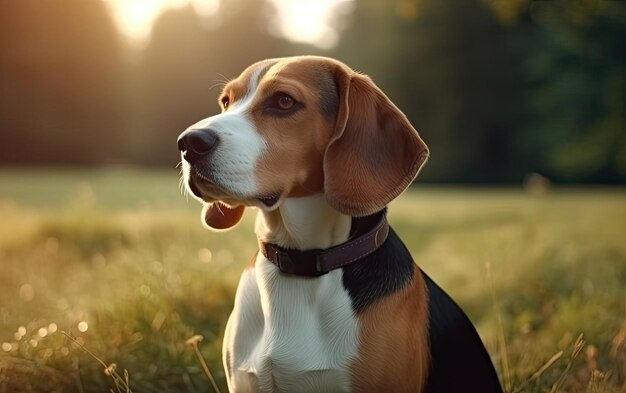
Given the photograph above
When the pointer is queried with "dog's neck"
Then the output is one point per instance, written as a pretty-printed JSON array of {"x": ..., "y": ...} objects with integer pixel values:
[{"x": 304, "y": 223}]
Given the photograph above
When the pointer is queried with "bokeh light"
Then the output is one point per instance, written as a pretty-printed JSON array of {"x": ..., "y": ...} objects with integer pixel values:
[
  {"x": 297, "y": 20},
  {"x": 135, "y": 17},
  {"x": 27, "y": 292}
]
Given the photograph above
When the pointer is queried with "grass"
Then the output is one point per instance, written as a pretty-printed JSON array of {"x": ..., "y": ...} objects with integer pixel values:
[{"x": 118, "y": 261}]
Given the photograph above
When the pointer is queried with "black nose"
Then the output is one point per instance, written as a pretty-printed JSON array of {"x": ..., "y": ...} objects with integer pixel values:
[{"x": 197, "y": 144}]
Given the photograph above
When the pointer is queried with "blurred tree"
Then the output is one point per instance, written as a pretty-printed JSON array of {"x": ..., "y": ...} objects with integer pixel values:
[
  {"x": 575, "y": 72},
  {"x": 61, "y": 79},
  {"x": 446, "y": 65},
  {"x": 187, "y": 62},
  {"x": 497, "y": 88}
]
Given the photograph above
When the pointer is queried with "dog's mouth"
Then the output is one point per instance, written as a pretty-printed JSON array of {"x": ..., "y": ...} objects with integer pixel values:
[
  {"x": 202, "y": 187},
  {"x": 206, "y": 189},
  {"x": 191, "y": 186}
]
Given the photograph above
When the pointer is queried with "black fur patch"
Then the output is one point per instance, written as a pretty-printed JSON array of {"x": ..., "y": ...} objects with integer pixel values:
[
  {"x": 459, "y": 360},
  {"x": 386, "y": 270}
]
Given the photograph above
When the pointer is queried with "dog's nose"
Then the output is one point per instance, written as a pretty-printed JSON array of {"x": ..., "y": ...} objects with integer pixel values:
[{"x": 196, "y": 144}]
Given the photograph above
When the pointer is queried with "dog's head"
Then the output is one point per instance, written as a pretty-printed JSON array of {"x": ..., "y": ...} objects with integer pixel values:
[{"x": 300, "y": 126}]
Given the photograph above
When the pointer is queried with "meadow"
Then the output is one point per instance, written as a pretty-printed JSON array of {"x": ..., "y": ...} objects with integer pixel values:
[{"x": 108, "y": 280}]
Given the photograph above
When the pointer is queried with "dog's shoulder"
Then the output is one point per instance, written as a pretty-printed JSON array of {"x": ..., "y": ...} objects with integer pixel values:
[{"x": 455, "y": 348}]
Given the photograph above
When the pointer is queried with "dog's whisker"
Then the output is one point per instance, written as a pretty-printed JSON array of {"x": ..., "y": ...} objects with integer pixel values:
[
  {"x": 220, "y": 82},
  {"x": 181, "y": 186},
  {"x": 217, "y": 84},
  {"x": 224, "y": 79}
]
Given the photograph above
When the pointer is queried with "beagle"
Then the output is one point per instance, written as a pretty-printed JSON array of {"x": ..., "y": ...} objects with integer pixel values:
[{"x": 333, "y": 301}]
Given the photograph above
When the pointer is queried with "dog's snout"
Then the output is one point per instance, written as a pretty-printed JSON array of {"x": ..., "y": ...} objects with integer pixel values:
[{"x": 196, "y": 144}]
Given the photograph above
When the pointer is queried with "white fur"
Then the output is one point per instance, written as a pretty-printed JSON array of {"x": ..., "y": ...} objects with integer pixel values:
[
  {"x": 239, "y": 148},
  {"x": 289, "y": 333},
  {"x": 303, "y": 223},
  {"x": 286, "y": 333}
]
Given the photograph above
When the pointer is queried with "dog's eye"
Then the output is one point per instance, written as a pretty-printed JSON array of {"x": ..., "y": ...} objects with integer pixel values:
[
  {"x": 285, "y": 102},
  {"x": 225, "y": 101},
  {"x": 282, "y": 104}
]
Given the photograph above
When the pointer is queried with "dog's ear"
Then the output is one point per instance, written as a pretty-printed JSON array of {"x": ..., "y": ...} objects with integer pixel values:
[
  {"x": 374, "y": 153},
  {"x": 218, "y": 216}
]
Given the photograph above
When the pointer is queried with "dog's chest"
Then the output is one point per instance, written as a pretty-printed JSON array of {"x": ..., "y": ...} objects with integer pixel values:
[{"x": 290, "y": 334}]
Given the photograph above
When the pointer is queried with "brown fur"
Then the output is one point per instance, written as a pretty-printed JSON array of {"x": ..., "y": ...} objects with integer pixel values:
[
  {"x": 377, "y": 149},
  {"x": 349, "y": 140},
  {"x": 296, "y": 143},
  {"x": 394, "y": 354},
  {"x": 237, "y": 88},
  {"x": 352, "y": 143}
]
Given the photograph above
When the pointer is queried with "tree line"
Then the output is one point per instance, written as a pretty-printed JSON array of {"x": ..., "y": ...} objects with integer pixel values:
[{"x": 497, "y": 89}]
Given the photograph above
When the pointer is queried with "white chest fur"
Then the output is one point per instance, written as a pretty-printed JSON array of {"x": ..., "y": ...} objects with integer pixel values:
[{"x": 290, "y": 334}]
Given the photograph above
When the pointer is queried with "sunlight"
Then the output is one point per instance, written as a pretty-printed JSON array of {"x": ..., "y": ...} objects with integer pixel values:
[
  {"x": 308, "y": 21},
  {"x": 134, "y": 18},
  {"x": 298, "y": 20}
]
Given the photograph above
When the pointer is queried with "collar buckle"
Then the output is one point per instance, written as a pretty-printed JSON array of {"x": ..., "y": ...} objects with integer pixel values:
[
  {"x": 285, "y": 263},
  {"x": 367, "y": 238}
]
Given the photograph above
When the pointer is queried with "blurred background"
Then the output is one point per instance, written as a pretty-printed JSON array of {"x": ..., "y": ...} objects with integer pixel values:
[
  {"x": 520, "y": 213},
  {"x": 498, "y": 88}
]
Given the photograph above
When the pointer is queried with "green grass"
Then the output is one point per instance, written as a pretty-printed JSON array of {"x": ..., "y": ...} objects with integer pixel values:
[{"x": 124, "y": 252}]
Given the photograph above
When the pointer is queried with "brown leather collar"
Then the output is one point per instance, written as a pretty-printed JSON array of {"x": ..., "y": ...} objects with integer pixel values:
[{"x": 366, "y": 236}]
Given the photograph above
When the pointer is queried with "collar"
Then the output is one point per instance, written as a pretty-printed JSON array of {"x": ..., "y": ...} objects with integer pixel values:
[{"x": 367, "y": 234}]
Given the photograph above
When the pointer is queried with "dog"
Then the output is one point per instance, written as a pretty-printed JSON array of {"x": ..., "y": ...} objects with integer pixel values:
[{"x": 333, "y": 301}]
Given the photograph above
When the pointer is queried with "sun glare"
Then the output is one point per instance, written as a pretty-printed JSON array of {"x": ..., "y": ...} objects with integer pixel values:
[
  {"x": 298, "y": 20},
  {"x": 134, "y": 18},
  {"x": 308, "y": 20}
]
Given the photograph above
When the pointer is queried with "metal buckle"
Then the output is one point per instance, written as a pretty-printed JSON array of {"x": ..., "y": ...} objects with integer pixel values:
[
  {"x": 277, "y": 259},
  {"x": 283, "y": 262}
]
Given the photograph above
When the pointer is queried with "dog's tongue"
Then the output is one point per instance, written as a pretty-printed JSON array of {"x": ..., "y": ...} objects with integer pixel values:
[{"x": 219, "y": 216}]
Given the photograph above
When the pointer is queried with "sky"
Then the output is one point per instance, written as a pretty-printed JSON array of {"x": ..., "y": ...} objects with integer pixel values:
[{"x": 299, "y": 20}]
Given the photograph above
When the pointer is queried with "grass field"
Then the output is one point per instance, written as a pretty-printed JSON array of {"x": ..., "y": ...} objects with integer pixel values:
[{"x": 118, "y": 260}]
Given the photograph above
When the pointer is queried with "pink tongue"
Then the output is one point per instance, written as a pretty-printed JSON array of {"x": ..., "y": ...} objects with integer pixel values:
[{"x": 219, "y": 216}]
